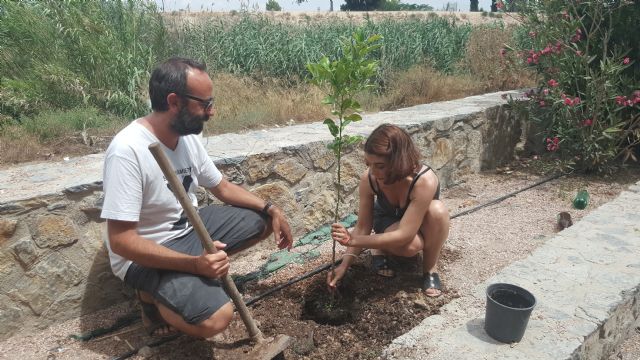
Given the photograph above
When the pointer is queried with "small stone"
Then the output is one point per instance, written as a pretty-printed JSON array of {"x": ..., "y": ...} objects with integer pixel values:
[
  {"x": 421, "y": 304},
  {"x": 55, "y": 231},
  {"x": 57, "y": 206},
  {"x": 25, "y": 251},
  {"x": 290, "y": 170},
  {"x": 145, "y": 351},
  {"x": 7, "y": 228},
  {"x": 10, "y": 208}
]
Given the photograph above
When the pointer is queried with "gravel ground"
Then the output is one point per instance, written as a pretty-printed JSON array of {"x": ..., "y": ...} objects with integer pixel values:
[{"x": 480, "y": 244}]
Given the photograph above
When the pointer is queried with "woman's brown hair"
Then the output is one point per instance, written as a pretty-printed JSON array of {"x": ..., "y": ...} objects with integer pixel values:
[{"x": 397, "y": 147}]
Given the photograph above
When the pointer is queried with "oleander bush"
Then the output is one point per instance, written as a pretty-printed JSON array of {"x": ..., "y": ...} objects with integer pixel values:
[{"x": 587, "y": 99}]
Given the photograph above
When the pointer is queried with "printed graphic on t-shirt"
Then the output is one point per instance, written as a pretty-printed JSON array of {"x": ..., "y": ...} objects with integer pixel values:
[{"x": 183, "y": 222}]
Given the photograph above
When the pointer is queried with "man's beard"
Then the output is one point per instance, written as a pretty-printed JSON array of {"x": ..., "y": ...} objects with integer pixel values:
[{"x": 187, "y": 124}]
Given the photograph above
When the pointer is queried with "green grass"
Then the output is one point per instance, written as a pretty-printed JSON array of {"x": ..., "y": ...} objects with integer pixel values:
[
  {"x": 54, "y": 124},
  {"x": 257, "y": 45},
  {"x": 60, "y": 55}
]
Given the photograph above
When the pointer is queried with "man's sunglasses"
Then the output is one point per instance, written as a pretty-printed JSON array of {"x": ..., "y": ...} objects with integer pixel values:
[{"x": 207, "y": 104}]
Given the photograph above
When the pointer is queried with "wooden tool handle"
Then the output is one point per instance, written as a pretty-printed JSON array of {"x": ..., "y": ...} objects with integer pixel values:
[
  {"x": 205, "y": 238},
  {"x": 182, "y": 197}
]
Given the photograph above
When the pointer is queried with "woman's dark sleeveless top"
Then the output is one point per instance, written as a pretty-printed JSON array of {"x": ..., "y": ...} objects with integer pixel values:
[{"x": 382, "y": 207}]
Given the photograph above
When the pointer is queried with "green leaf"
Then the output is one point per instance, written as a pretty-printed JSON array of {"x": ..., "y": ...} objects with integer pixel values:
[
  {"x": 353, "y": 117},
  {"x": 333, "y": 128},
  {"x": 329, "y": 100},
  {"x": 335, "y": 145}
]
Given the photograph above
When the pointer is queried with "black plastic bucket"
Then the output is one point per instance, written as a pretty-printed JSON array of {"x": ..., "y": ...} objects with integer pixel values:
[{"x": 508, "y": 311}]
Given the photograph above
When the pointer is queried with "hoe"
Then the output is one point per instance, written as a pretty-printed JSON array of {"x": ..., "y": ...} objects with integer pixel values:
[{"x": 265, "y": 348}]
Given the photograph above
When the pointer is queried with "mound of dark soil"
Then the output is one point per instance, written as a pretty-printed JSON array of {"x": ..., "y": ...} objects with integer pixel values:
[{"x": 365, "y": 315}]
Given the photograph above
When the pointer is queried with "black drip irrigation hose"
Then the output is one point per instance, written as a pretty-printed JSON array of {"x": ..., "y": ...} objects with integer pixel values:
[
  {"x": 321, "y": 268},
  {"x": 495, "y": 201}
]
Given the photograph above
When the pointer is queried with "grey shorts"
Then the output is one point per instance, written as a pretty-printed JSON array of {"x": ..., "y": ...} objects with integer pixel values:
[{"x": 193, "y": 297}]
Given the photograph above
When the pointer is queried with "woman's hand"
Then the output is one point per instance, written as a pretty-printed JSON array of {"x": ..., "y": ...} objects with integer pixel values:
[
  {"x": 334, "y": 276},
  {"x": 340, "y": 234}
]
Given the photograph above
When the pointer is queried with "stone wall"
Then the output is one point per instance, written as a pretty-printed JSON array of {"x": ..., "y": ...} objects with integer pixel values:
[{"x": 53, "y": 262}]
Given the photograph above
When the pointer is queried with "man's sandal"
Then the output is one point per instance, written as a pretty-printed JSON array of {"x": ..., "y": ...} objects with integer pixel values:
[
  {"x": 431, "y": 281},
  {"x": 153, "y": 321},
  {"x": 382, "y": 266}
]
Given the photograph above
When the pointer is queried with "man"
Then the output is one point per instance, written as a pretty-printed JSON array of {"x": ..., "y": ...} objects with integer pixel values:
[{"x": 152, "y": 246}]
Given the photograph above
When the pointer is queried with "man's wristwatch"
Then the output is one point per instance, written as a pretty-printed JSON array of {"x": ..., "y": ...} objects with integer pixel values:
[{"x": 265, "y": 209}]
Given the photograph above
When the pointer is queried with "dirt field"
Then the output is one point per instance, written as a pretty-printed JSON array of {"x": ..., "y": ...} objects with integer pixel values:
[{"x": 302, "y": 17}]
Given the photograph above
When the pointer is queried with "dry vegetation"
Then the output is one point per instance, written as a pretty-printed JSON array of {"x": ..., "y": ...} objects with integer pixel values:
[{"x": 303, "y": 17}]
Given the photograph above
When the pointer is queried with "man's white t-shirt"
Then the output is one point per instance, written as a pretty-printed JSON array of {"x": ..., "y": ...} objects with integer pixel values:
[{"x": 135, "y": 188}]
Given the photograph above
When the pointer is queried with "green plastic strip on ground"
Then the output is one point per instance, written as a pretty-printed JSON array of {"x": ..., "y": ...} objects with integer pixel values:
[{"x": 282, "y": 258}]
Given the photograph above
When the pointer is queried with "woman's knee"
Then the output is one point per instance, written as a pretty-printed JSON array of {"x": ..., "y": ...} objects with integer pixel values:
[
  {"x": 411, "y": 249},
  {"x": 217, "y": 322},
  {"x": 438, "y": 212}
]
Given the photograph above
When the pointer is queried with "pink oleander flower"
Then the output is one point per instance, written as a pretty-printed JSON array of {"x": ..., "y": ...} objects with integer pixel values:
[
  {"x": 535, "y": 58},
  {"x": 499, "y": 5},
  {"x": 626, "y": 60},
  {"x": 558, "y": 47},
  {"x": 552, "y": 83},
  {"x": 553, "y": 144},
  {"x": 621, "y": 100},
  {"x": 587, "y": 122},
  {"x": 541, "y": 103},
  {"x": 636, "y": 97},
  {"x": 569, "y": 101},
  {"x": 545, "y": 91}
]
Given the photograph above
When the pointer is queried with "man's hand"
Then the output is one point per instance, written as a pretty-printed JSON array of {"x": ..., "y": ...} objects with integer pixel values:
[
  {"x": 213, "y": 265},
  {"x": 281, "y": 229}
]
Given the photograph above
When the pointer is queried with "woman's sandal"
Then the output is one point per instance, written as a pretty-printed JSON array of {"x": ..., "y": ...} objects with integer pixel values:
[
  {"x": 153, "y": 321},
  {"x": 431, "y": 281},
  {"x": 381, "y": 266}
]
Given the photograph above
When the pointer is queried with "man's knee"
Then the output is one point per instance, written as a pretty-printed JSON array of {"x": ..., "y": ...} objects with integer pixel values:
[{"x": 217, "y": 322}]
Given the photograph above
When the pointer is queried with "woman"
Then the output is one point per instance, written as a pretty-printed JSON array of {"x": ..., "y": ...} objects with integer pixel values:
[{"x": 399, "y": 200}]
